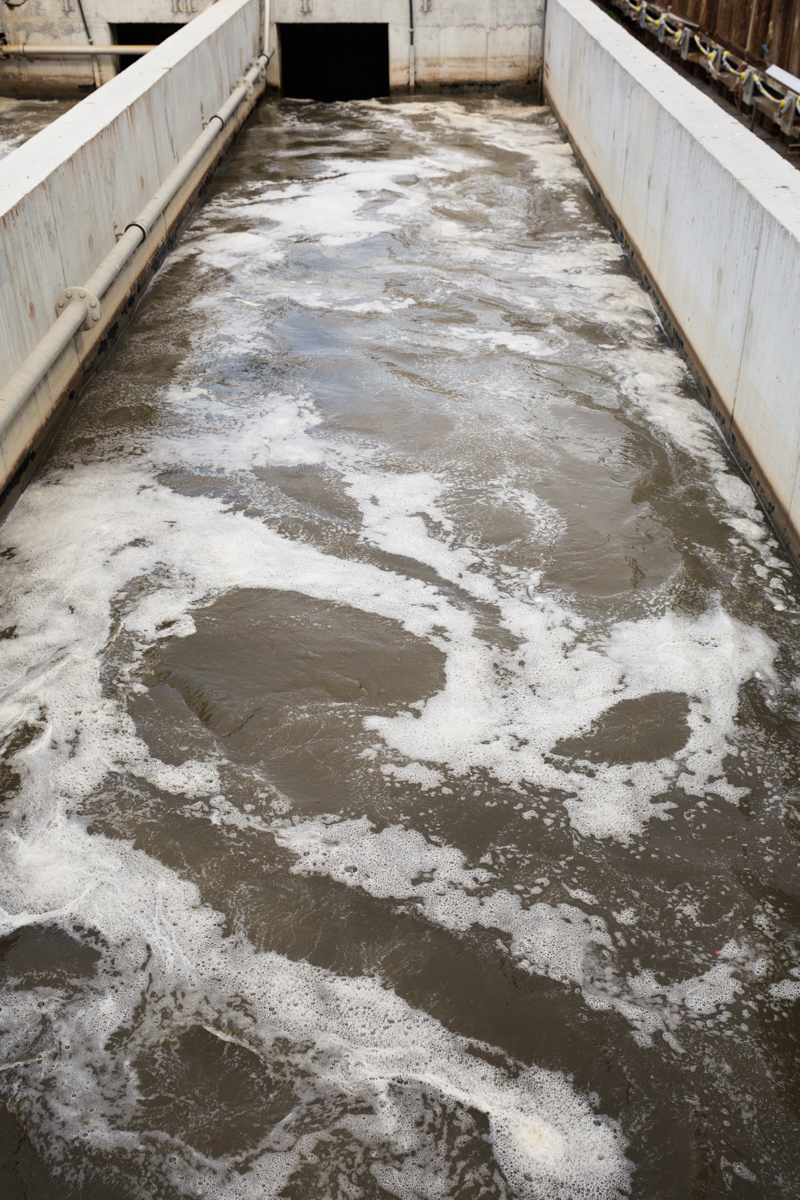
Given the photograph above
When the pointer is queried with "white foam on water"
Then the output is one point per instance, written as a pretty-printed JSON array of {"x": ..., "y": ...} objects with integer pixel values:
[
  {"x": 332, "y": 211},
  {"x": 110, "y": 559},
  {"x": 228, "y": 440},
  {"x": 502, "y": 711},
  {"x": 228, "y": 250},
  {"x": 560, "y": 941},
  {"x": 426, "y": 778},
  {"x": 356, "y": 1049},
  {"x": 654, "y": 1007},
  {"x": 328, "y": 301},
  {"x": 506, "y": 711},
  {"x": 10, "y": 118},
  {"x": 400, "y": 864},
  {"x": 7, "y": 144},
  {"x": 785, "y": 989},
  {"x": 500, "y": 125},
  {"x": 333, "y": 208},
  {"x": 520, "y": 343},
  {"x": 111, "y": 526},
  {"x": 654, "y": 378}
]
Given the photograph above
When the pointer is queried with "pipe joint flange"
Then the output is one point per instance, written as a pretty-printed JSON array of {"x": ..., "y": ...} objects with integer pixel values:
[
  {"x": 70, "y": 294},
  {"x": 244, "y": 82},
  {"x": 262, "y": 62}
]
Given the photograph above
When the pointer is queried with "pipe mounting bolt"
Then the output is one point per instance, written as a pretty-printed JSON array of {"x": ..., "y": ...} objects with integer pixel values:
[{"x": 92, "y": 304}]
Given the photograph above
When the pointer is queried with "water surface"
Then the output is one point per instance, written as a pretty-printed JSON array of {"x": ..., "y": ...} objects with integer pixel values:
[
  {"x": 400, "y": 710},
  {"x": 20, "y": 119}
]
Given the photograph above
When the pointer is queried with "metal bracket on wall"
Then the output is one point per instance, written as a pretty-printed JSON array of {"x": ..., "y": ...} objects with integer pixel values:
[
  {"x": 306, "y": 6},
  {"x": 426, "y": 5},
  {"x": 89, "y": 298},
  {"x": 787, "y": 124}
]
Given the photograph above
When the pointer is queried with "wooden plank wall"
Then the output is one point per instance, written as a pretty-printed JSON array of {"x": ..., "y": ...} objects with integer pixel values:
[{"x": 751, "y": 24}]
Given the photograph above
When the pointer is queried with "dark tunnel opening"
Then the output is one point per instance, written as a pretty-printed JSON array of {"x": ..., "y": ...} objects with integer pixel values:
[
  {"x": 334, "y": 61},
  {"x": 140, "y": 34}
]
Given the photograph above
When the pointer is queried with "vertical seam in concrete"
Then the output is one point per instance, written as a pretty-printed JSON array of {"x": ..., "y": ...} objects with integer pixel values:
[
  {"x": 790, "y": 505},
  {"x": 624, "y": 173},
  {"x": 661, "y": 247},
  {"x": 61, "y": 267},
  {"x": 749, "y": 312},
  {"x": 652, "y": 268},
  {"x": 793, "y": 492}
]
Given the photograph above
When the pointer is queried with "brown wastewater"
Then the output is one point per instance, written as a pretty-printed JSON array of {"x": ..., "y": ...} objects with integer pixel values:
[
  {"x": 20, "y": 119},
  {"x": 400, "y": 704}
]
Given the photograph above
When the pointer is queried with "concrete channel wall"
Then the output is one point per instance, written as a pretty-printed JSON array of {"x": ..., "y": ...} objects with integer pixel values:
[
  {"x": 68, "y": 192},
  {"x": 455, "y": 41},
  {"x": 711, "y": 218},
  {"x": 59, "y": 22},
  {"x": 490, "y": 42}
]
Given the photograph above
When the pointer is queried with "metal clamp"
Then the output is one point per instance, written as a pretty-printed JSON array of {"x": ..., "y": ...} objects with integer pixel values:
[
  {"x": 685, "y": 43},
  {"x": 80, "y": 293},
  {"x": 788, "y": 110}
]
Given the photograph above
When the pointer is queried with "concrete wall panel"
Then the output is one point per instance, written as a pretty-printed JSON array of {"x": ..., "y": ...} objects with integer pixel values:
[
  {"x": 46, "y": 22},
  {"x": 456, "y": 41},
  {"x": 711, "y": 216},
  {"x": 66, "y": 192},
  {"x": 507, "y": 52},
  {"x": 63, "y": 192}
]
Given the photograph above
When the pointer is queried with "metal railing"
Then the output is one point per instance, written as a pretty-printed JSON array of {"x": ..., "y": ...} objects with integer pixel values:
[{"x": 775, "y": 100}]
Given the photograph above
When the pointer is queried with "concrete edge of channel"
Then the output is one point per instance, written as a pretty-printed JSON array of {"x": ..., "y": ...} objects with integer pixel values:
[
  {"x": 55, "y": 398},
  {"x": 26, "y": 436},
  {"x": 732, "y": 400},
  {"x": 707, "y": 393}
]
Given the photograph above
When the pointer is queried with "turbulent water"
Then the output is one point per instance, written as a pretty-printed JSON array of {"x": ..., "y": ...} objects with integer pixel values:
[
  {"x": 400, "y": 701},
  {"x": 21, "y": 119}
]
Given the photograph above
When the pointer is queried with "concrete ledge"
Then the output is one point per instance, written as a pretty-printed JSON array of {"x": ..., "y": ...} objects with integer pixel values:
[
  {"x": 63, "y": 193},
  {"x": 711, "y": 219}
]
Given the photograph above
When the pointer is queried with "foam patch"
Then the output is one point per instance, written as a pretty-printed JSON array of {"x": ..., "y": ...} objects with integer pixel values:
[
  {"x": 445, "y": 462},
  {"x": 350, "y": 1050}
]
